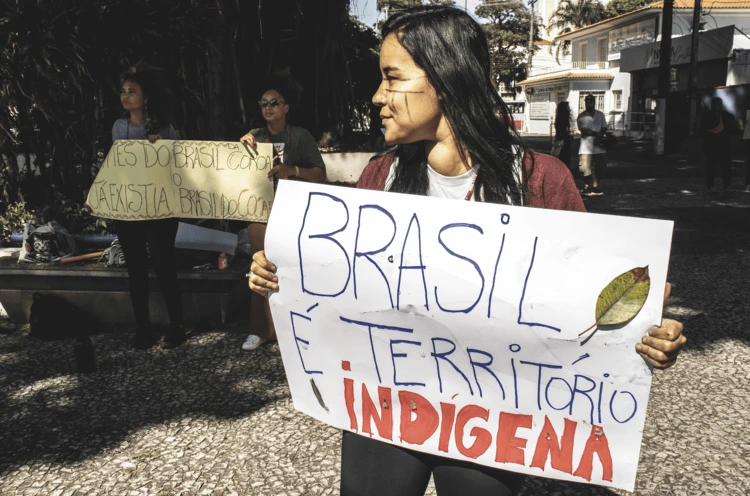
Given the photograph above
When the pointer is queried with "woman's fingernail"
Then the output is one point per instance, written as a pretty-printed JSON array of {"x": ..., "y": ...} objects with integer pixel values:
[
  {"x": 638, "y": 347},
  {"x": 643, "y": 339}
]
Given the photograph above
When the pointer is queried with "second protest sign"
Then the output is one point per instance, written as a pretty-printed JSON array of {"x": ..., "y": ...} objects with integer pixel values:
[{"x": 139, "y": 180}]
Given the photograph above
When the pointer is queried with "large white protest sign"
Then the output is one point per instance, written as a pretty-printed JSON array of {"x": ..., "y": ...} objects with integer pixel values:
[
  {"x": 452, "y": 327},
  {"x": 139, "y": 180}
]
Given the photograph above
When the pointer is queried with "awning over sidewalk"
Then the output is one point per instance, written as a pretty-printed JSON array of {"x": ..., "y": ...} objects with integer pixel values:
[{"x": 566, "y": 76}]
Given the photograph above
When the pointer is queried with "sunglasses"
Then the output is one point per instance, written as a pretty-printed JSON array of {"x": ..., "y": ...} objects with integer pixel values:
[{"x": 273, "y": 102}]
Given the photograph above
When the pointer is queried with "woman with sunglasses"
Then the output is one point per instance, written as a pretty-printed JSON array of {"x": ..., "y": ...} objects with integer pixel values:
[
  {"x": 453, "y": 140},
  {"x": 296, "y": 155}
]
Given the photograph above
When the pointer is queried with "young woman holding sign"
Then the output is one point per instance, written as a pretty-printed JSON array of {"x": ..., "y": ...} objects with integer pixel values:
[
  {"x": 146, "y": 102},
  {"x": 454, "y": 140},
  {"x": 296, "y": 155}
]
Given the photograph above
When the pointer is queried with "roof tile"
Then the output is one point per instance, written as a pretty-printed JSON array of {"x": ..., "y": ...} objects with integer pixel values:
[{"x": 678, "y": 4}]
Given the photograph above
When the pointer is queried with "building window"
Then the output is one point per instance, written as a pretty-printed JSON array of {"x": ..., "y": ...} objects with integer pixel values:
[
  {"x": 562, "y": 96},
  {"x": 583, "y": 51},
  {"x": 599, "y": 100},
  {"x": 602, "y": 50},
  {"x": 617, "y": 100}
]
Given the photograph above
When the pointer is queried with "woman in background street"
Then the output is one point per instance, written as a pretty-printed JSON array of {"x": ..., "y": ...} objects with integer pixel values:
[{"x": 562, "y": 132}]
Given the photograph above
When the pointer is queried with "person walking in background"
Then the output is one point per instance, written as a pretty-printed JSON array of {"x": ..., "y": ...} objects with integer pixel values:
[
  {"x": 593, "y": 125},
  {"x": 147, "y": 103},
  {"x": 296, "y": 155},
  {"x": 718, "y": 126},
  {"x": 562, "y": 132}
]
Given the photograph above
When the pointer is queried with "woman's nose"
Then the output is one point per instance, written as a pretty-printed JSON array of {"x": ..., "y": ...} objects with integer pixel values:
[{"x": 379, "y": 98}]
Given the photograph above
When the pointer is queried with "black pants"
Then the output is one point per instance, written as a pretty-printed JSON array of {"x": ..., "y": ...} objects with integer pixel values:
[
  {"x": 565, "y": 152},
  {"x": 718, "y": 158},
  {"x": 747, "y": 162},
  {"x": 374, "y": 468},
  {"x": 159, "y": 235}
]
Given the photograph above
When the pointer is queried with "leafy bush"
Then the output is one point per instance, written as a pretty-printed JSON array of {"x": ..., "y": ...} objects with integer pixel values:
[{"x": 13, "y": 218}]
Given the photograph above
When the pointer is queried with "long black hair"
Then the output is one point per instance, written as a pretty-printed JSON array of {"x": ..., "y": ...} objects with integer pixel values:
[
  {"x": 159, "y": 111},
  {"x": 562, "y": 117},
  {"x": 452, "y": 50}
]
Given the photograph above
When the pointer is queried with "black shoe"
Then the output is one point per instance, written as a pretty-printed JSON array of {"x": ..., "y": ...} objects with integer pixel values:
[
  {"x": 175, "y": 337},
  {"x": 595, "y": 191},
  {"x": 144, "y": 338}
]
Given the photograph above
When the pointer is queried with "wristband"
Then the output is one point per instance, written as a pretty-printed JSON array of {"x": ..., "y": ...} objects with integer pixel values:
[{"x": 296, "y": 167}]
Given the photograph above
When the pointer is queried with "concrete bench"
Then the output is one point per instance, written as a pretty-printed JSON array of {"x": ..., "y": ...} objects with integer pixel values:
[
  {"x": 103, "y": 293},
  {"x": 207, "y": 295}
]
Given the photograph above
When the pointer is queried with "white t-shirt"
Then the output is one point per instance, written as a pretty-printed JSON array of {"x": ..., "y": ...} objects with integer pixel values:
[
  {"x": 452, "y": 187},
  {"x": 595, "y": 123}
]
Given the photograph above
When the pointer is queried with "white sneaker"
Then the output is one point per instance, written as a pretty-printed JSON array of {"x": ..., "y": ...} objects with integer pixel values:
[{"x": 252, "y": 342}]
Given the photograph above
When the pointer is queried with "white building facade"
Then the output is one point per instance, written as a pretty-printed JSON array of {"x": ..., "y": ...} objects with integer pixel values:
[{"x": 594, "y": 66}]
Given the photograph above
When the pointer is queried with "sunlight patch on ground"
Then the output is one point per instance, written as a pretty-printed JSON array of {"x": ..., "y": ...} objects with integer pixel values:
[
  {"x": 682, "y": 311},
  {"x": 52, "y": 385}
]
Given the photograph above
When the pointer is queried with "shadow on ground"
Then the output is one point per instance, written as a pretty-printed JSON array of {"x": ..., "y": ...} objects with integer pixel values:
[{"x": 49, "y": 416}]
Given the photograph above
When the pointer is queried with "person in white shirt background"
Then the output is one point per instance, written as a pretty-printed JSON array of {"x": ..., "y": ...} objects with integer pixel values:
[{"x": 593, "y": 125}]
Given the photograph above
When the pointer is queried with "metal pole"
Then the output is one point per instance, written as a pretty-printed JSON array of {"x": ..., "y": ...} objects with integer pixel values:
[
  {"x": 693, "y": 77},
  {"x": 665, "y": 64},
  {"x": 531, "y": 38}
]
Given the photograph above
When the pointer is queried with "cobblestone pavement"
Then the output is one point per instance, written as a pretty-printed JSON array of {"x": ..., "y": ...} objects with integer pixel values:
[{"x": 208, "y": 418}]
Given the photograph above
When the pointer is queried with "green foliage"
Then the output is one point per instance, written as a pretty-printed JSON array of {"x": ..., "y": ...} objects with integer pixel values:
[
  {"x": 575, "y": 14},
  {"x": 508, "y": 37},
  {"x": 396, "y": 5},
  {"x": 13, "y": 219},
  {"x": 60, "y": 63},
  {"x": 362, "y": 47},
  {"x": 571, "y": 15},
  {"x": 619, "y": 7},
  {"x": 392, "y": 6}
]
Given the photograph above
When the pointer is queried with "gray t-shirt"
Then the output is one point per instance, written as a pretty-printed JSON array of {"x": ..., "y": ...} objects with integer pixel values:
[
  {"x": 301, "y": 150},
  {"x": 124, "y": 130}
]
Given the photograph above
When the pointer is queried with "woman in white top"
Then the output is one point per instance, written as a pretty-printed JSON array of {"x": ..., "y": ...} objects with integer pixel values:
[{"x": 454, "y": 140}]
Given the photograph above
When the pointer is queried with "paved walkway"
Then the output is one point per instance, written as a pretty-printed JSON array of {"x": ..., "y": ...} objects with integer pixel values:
[{"x": 208, "y": 418}]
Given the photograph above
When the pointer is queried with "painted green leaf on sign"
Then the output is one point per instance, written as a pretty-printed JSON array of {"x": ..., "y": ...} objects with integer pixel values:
[{"x": 621, "y": 300}]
